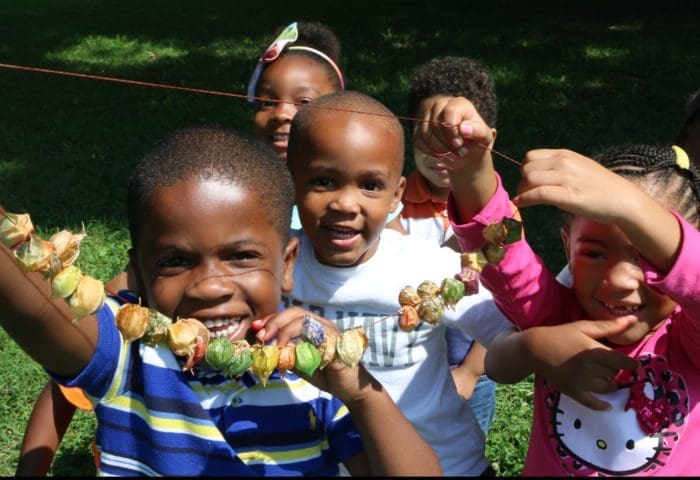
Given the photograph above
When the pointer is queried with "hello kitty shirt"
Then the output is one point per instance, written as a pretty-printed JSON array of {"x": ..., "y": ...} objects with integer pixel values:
[{"x": 654, "y": 425}]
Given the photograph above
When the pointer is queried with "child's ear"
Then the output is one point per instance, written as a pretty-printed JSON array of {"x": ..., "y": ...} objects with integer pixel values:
[
  {"x": 291, "y": 252},
  {"x": 564, "y": 232},
  {"x": 494, "y": 132},
  {"x": 398, "y": 193}
]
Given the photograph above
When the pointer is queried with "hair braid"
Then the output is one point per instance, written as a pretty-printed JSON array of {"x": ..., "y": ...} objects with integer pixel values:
[{"x": 660, "y": 172}]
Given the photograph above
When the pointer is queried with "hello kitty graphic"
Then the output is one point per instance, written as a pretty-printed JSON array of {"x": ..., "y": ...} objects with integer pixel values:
[{"x": 639, "y": 433}]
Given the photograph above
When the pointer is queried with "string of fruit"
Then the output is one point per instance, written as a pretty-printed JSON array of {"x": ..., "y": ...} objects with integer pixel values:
[
  {"x": 428, "y": 301},
  {"x": 189, "y": 338},
  {"x": 186, "y": 337}
]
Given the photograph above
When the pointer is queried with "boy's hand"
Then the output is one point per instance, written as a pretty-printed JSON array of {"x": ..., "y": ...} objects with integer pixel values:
[
  {"x": 570, "y": 358},
  {"x": 453, "y": 131},
  {"x": 575, "y": 183},
  {"x": 348, "y": 384}
]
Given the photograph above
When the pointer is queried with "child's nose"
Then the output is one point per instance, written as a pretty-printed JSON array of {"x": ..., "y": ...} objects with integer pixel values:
[
  {"x": 346, "y": 200},
  {"x": 624, "y": 275},
  {"x": 284, "y": 111},
  {"x": 212, "y": 285}
]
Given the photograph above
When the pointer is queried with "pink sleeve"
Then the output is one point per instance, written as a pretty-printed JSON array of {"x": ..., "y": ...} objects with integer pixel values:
[
  {"x": 522, "y": 287},
  {"x": 682, "y": 284}
]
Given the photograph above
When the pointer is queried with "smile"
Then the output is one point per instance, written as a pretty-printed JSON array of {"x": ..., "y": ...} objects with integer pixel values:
[
  {"x": 223, "y": 327},
  {"x": 622, "y": 310}
]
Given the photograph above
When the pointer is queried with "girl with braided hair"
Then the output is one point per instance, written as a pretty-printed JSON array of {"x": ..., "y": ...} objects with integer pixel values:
[{"x": 631, "y": 240}]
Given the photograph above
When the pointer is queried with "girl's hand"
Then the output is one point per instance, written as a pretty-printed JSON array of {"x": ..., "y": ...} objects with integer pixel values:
[
  {"x": 570, "y": 357},
  {"x": 574, "y": 183},
  {"x": 453, "y": 131}
]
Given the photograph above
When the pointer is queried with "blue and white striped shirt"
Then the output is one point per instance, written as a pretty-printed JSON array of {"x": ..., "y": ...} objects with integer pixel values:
[{"x": 154, "y": 419}]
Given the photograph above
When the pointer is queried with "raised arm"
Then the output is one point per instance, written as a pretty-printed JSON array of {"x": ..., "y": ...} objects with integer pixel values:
[
  {"x": 582, "y": 186},
  {"x": 42, "y": 326},
  {"x": 453, "y": 131}
]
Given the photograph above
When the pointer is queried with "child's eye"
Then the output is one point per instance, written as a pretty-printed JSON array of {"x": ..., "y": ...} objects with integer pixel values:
[
  {"x": 245, "y": 256},
  {"x": 172, "y": 264},
  {"x": 323, "y": 182},
  {"x": 592, "y": 254},
  {"x": 373, "y": 186},
  {"x": 263, "y": 104},
  {"x": 303, "y": 101}
]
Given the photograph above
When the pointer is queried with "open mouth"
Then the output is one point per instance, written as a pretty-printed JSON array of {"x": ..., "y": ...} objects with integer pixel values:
[
  {"x": 337, "y": 233},
  {"x": 622, "y": 309}
]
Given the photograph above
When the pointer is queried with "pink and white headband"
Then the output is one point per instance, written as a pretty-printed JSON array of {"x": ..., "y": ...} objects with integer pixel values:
[{"x": 288, "y": 35}]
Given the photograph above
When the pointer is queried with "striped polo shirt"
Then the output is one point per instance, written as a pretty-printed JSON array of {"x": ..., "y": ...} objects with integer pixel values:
[{"x": 154, "y": 419}]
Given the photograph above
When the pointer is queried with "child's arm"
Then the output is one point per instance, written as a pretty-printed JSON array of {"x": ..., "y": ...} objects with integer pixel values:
[
  {"x": 392, "y": 446},
  {"x": 582, "y": 186},
  {"x": 42, "y": 326},
  {"x": 48, "y": 423},
  {"x": 568, "y": 356},
  {"x": 468, "y": 372}
]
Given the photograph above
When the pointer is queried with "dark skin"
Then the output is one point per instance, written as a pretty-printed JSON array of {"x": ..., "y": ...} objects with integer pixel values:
[{"x": 208, "y": 252}]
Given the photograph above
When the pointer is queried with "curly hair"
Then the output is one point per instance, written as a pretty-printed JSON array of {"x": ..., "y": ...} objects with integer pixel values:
[
  {"x": 457, "y": 77},
  {"x": 654, "y": 168}
]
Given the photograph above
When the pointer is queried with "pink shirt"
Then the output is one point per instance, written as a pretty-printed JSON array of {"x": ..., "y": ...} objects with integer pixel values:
[{"x": 661, "y": 434}]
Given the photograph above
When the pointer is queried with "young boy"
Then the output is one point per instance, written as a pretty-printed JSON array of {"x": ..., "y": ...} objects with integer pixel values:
[
  {"x": 209, "y": 222},
  {"x": 347, "y": 173}
]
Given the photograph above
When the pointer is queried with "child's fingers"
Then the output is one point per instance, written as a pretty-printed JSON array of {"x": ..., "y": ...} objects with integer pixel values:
[{"x": 591, "y": 401}]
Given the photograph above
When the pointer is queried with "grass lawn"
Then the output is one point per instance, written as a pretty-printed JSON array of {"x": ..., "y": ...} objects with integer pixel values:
[{"x": 580, "y": 75}]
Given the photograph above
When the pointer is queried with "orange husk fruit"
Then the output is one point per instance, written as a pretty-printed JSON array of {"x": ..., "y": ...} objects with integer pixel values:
[
  {"x": 408, "y": 318},
  {"x": 286, "y": 359},
  {"x": 409, "y": 296},
  {"x": 327, "y": 350},
  {"x": 37, "y": 255},
  {"x": 132, "y": 321},
  {"x": 188, "y": 337}
]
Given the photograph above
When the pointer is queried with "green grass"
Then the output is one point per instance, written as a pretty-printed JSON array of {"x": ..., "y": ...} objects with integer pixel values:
[{"x": 581, "y": 75}]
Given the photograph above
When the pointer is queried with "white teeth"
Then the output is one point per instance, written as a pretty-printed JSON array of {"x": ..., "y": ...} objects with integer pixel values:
[
  {"x": 215, "y": 326},
  {"x": 342, "y": 233},
  {"x": 621, "y": 309},
  {"x": 280, "y": 138}
]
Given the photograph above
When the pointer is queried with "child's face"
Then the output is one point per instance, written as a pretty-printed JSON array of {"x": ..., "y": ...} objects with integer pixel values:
[
  {"x": 292, "y": 79},
  {"x": 207, "y": 252},
  {"x": 430, "y": 167},
  {"x": 608, "y": 280},
  {"x": 347, "y": 183}
]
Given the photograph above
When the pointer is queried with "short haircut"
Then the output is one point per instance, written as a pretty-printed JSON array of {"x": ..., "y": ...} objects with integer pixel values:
[
  {"x": 212, "y": 152},
  {"x": 345, "y": 102},
  {"x": 455, "y": 77}
]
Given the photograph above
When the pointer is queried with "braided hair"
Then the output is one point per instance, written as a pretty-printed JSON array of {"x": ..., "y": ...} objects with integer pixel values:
[{"x": 654, "y": 168}]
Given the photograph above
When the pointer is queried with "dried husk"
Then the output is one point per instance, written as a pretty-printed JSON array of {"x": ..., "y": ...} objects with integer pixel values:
[
  {"x": 132, "y": 321},
  {"x": 265, "y": 359},
  {"x": 495, "y": 232},
  {"x": 327, "y": 350},
  {"x": 474, "y": 260},
  {"x": 514, "y": 228},
  {"x": 157, "y": 329},
  {"x": 451, "y": 291},
  {"x": 308, "y": 357},
  {"x": 219, "y": 353},
  {"x": 67, "y": 246},
  {"x": 494, "y": 253},
  {"x": 470, "y": 279},
  {"x": 428, "y": 288},
  {"x": 88, "y": 297},
  {"x": 351, "y": 345},
  {"x": 431, "y": 308},
  {"x": 65, "y": 282},
  {"x": 408, "y": 318},
  {"x": 409, "y": 296},
  {"x": 15, "y": 228},
  {"x": 241, "y": 360},
  {"x": 35, "y": 255}
]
